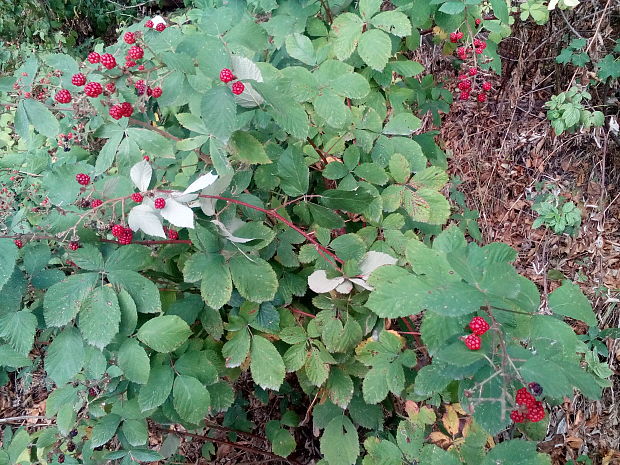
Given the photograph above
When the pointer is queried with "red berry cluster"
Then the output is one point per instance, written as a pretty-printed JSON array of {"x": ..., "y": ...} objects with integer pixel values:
[
  {"x": 18, "y": 243},
  {"x": 159, "y": 203},
  {"x": 456, "y": 36},
  {"x": 82, "y": 179},
  {"x": 120, "y": 110},
  {"x": 466, "y": 84},
  {"x": 123, "y": 234},
  {"x": 528, "y": 408},
  {"x": 78, "y": 79},
  {"x": 478, "y": 327},
  {"x": 171, "y": 234},
  {"x": 96, "y": 203},
  {"x": 74, "y": 245},
  {"x": 63, "y": 96},
  {"x": 227, "y": 76},
  {"x": 93, "y": 89},
  {"x": 137, "y": 197},
  {"x": 108, "y": 60}
]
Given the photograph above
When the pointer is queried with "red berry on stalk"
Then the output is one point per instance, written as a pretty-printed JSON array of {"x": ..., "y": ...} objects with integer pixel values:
[
  {"x": 464, "y": 95},
  {"x": 148, "y": 23},
  {"x": 479, "y": 51},
  {"x": 172, "y": 234},
  {"x": 63, "y": 96},
  {"x": 127, "y": 109},
  {"x": 465, "y": 84},
  {"x": 117, "y": 230},
  {"x": 61, "y": 458},
  {"x": 130, "y": 63},
  {"x": 110, "y": 87},
  {"x": 482, "y": 98},
  {"x": 125, "y": 237},
  {"x": 96, "y": 203},
  {"x": 226, "y": 75},
  {"x": 94, "y": 57},
  {"x": 140, "y": 86},
  {"x": 524, "y": 397},
  {"x": 146, "y": 157},
  {"x": 93, "y": 89},
  {"x": 141, "y": 68},
  {"x": 116, "y": 111},
  {"x": 156, "y": 92},
  {"x": 82, "y": 179},
  {"x": 108, "y": 61},
  {"x": 486, "y": 86},
  {"x": 459, "y": 35},
  {"x": 238, "y": 88},
  {"x": 472, "y": 71},
  {"x": 160, "y": 27},
  {"x": 536, "y": 412},
  {"x": 478, "y": 325},
  {"x": 159, "y": 203},
  {"x": 137, "y": 197},
  {"x": 78, "y": 79},
  {"x": 480, "y": 44},
  {"x": 478, "y": 21},
  {"x": 135, "y": 53},
  {"x": 517, "y": 416},
  {"x": 18, "y": 243},
  {"x": 473, "y": 342},
  {"x": 129, "y": 38},
  {"x": 74, "y": 245},
  {"x": 453, "y": 37}
]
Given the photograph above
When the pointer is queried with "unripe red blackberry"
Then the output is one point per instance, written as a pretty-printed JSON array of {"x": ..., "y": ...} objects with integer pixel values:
[
  {"x": 157, "y": 92},
  {"x": 137, "y": 197},
  {"x": 117, "y": 230},
  {"x": 82, "y": 179},
  {"x": 63, "y": 96},
  {"x": 465, "y": 84},
  {"x": 478, "y": 325},
  {"x": 478, "y": 21},
  {"x": 159, "y": 203},
  {"x": 74, "y": 245},
  {"x": 129, "y": 38},
  {"x": 127, "y": 109},
  {"x": 110, "y": 87},
  {"x": 125, "y": 237},
  {"x": 464, "y": 95},
  {"x": 135, "y": 53},
  {"x": 116, "y": 111},
  {"x": 78, "y": 79},
  {"x": 93, "y": 89},
  {"x": 482, "y": 98},
  {"x": 141, "y": 68},
  {"x": 226, "y": 75},
  {"x": 472, "y": 71},
  {"x": 148, "y": 23},
  {"x": 238, "y": 88},
  {"x": 486, "y": 86},
  {"x": 160, "y": 27},
  {"x": 18, "y": 243},
  {"x": 140, "y": 86},
  {"x": 453, "y": 37},
  {"x": 172, "y": 234},
  {"x": 94, "y": 57},
  {"x": 146, "y": 157},
  {"x": 473, "y": 342},
  {"x": 517, "y": 416},
  {"x": 108, "y": 61},
  {"x": 129, "y": 63},
  {"x": 536, "y": 412},
  {"x": 96, "y": 203}
]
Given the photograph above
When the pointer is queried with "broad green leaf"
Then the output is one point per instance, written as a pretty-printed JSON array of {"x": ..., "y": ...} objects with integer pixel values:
[
  {"x": 41, "y": 118},
  {"x": 197, "y": 364},
  {"x": 332, "y": 109},
  {"x": 88, "y": 258},
  {"x": 515, "y": 451},
  {"x": 8, "y": 256},
  {"x": 266, "y": 364},
  {"x": 216, "y": 286},
  {"x": 340, "y": 442},
  {"x": 375, "y": 386},
  {"x": 291, "y": 116},
  {"x": 459, "y": 355},
  {"x": 375, "y": 48},
  {"x": 65, "y": 356},
  {"x": 452, "y": 8},
  {"x": 402, "y": 296},
  {"x": 134, "y": 361},
  {"x": 316, "y": 369},
  {"x": 254, "y": 278},
  {"x": 151, "y": 142},
  {"x": 236, "y": 349},
  {"x": 18, "y": 329},
  {"x": 382, "y": 452},
  {"x": 190, "y": 398},
  {"x": 10, "y": 358},
  {"x": 347, "y": 30},
  {"x": 402, "y": 124},
  {"x": 500, "y": 9},
  {"x": 100, "y": 317},
  {"x": 283, "y": 443},
  {"x": 164, "y": 333},
  {"x": 300, "y": 47},
  {"x": 219, "y": 112},
  {"x": 433, "y": 455},
  {"x": 392, "y": 22},
  {"x": 293, "y": 172},
  {"x": 104, "y": 429},
  {"x": 142, "y": 290},
  {"x": 340, "y": 388},
  {"x": 369, "y": 8},
  {"x": 136, "y": 432},
  {"x": 246, "y": 148},
  {"x": 156, "y": 390},
  {"x": 568, "y": 300},
  {"x": 128, "y": 257},
  {"x": 64, "y": 299},
  {"x": 352, "y": 85},
  {"x": 353, "y": 201}
]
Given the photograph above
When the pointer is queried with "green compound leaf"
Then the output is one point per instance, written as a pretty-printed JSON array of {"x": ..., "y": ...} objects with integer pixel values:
[{"x": 164, "y": 333}]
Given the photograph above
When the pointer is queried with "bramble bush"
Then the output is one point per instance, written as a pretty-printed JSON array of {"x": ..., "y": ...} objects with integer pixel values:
[{"x": 232, "y": 192}]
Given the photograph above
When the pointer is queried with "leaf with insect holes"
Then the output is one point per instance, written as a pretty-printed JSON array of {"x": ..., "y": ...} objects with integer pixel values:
[
  {"x": 144, "y": 218},
  {"x": 140, "y": 174},
  {"x": 178, "y": 214},
  {"x": 320, "y": 283},
  {"x": 202, "y": 182}
]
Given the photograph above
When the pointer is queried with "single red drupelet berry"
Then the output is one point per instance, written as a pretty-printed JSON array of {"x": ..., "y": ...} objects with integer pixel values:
[
  {"x": 472, "y": 71},
  {"x": 110, "y": 87},
  {"x": 146, "y": 157},
  {"x": 129, "y": 38},
  {"x": 482, "y": 98},
  {"x": 172, "y": 234},
  {"x": 478, "y": 325},
  {"x": 93, "y": 89},
  {"x": 461, "y": 52},
  {"x": 82, "y": 179},
  {"x": 74, "y": 245},
  {"x": 92, "y": 392},
  {"x": 96, "y": 203},
  {"x": 141, "y": 68},
  {"x": 108, "y": 61},
  {"x": 125, "y": 237},
  {"x": 137, "y": 197},
  {"x": 94, "y": 57},
  {"x": 480, "y": 44},
  {"x": 479, "y": 51},
  {"x": 18, "y": 243},
  {"x": 517, "y": 416},
  {"x": 156, "y": 92},
  {"x": 160, "y": 203},
  {"x": 130, "y": 63},
  {"x": 524, "y": 397},
  {"x": 116, "y": 111},
  {"x": 464, "y": 95},
  {"x": 465, "y": 84},
  {"x": 63, "y": 96},
  {"x": 117, "y": 230},
  {"x": 160, "y": 27},
  {"x": 78, "y": 79},
  {"x": 148, "y": 23},
  {"x": 536, "y": 412},
  {"x": 478, "y": 21},
  {"x": 226, "y": 75},
  {"x": 140, "y": 86},
  {"x": 473, "y": 342},
  {"x": 238, "y": 88},
  {"x": 127, "y": 109},
  {"x": 453, "y": 37},
  {"x": 149, "y": 91},
  {"x": 135, "y": 53},
  {"x": 486, "y": 86},
  {"x": 459, "y": 35}
]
